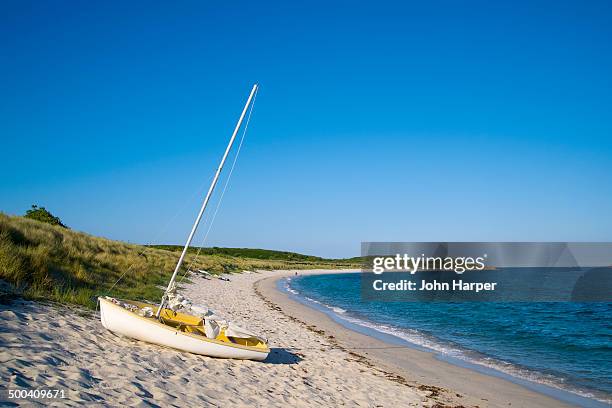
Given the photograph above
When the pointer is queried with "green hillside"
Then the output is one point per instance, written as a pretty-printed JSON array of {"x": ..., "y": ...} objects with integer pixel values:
[
  {"x": 265, "y": 254},
  {"x": 43, "y": 261}
]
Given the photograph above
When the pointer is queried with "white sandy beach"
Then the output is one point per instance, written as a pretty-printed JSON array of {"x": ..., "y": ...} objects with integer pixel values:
[
  {"x": 54, "y": 347},
  {"x": 46, "y": 347}
]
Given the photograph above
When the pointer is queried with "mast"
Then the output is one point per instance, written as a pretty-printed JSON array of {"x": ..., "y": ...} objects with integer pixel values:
[{"x": 206, "y": 199}]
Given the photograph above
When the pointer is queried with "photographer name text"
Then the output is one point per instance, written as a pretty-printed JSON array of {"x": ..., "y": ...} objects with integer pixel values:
[{"x": 433, "y": 286}]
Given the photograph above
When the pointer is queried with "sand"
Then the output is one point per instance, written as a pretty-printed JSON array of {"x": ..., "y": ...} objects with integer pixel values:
[
  {"x": 450, "y": 384},
  {"x": 314, "y": 362}
]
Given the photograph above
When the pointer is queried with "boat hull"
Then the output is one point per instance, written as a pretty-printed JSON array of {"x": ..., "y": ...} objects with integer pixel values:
[{"x": 124, "y": 322}]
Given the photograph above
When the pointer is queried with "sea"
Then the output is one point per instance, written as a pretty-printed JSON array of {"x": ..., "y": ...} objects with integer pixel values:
[{"x": 563, "y": 349}]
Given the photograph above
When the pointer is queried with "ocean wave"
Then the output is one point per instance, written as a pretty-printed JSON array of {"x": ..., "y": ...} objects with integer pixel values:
[
  {"x": 417, "y": 338},
  {"x": 334, "y": 309},
  {"x": 420, "y": 339},
  {"x": 289, "y": 289}
]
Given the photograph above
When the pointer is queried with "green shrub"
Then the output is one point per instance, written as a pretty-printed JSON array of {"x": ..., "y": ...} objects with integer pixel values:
[{"x": 41, "y": 214}]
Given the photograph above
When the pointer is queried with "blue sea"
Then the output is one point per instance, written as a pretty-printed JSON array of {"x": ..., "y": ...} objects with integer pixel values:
[{"x": 554, "y": 345}]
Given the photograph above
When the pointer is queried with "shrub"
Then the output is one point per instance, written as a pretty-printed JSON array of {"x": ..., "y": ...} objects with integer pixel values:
[{"x": 41, "y": 214}]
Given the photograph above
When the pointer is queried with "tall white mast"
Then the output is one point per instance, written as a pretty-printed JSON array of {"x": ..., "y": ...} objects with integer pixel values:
[{"x": 205, "y": 203}]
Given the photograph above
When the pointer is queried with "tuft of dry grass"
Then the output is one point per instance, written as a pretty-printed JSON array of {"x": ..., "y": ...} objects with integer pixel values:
[{"x": 42, "y": 261}]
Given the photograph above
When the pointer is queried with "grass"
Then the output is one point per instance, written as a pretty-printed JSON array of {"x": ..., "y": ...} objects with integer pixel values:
[{"x": 45, "y": 262}]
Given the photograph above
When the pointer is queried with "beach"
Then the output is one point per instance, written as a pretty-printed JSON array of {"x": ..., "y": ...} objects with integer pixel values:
[{"x": 314, "y": 361}]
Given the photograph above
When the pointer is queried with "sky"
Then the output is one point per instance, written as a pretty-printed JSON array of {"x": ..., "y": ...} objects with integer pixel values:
[{"x": 385, "y": 121}]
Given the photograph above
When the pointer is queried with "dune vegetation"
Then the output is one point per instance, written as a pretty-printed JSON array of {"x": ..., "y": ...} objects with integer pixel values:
[
  {"x": 50, "y": 262},
  {"x": 265, "y": 254}
]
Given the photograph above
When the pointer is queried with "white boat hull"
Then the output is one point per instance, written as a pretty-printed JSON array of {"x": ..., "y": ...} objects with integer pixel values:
[{"x": 124, "y": 322}]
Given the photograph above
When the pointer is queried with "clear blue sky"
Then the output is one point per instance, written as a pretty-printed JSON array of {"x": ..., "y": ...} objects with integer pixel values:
[{"x": 401, "y": 121}]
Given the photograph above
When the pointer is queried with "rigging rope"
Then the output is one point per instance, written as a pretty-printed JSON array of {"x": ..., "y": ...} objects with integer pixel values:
[
  {"x": 197, "y": 193},
  {"x": 229, "y": 176}
]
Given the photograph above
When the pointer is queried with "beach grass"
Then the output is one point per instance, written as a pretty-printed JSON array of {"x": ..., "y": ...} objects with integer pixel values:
[{"x": 46, "y": 262}]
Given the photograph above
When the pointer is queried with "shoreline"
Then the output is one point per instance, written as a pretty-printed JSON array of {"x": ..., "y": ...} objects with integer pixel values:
[
  {"x": 314, "y": 361},
  {"x": 414, "y": 364}
]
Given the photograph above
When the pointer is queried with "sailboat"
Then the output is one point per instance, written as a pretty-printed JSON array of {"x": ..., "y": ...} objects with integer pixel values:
[{"x": 174, "y": 323}]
